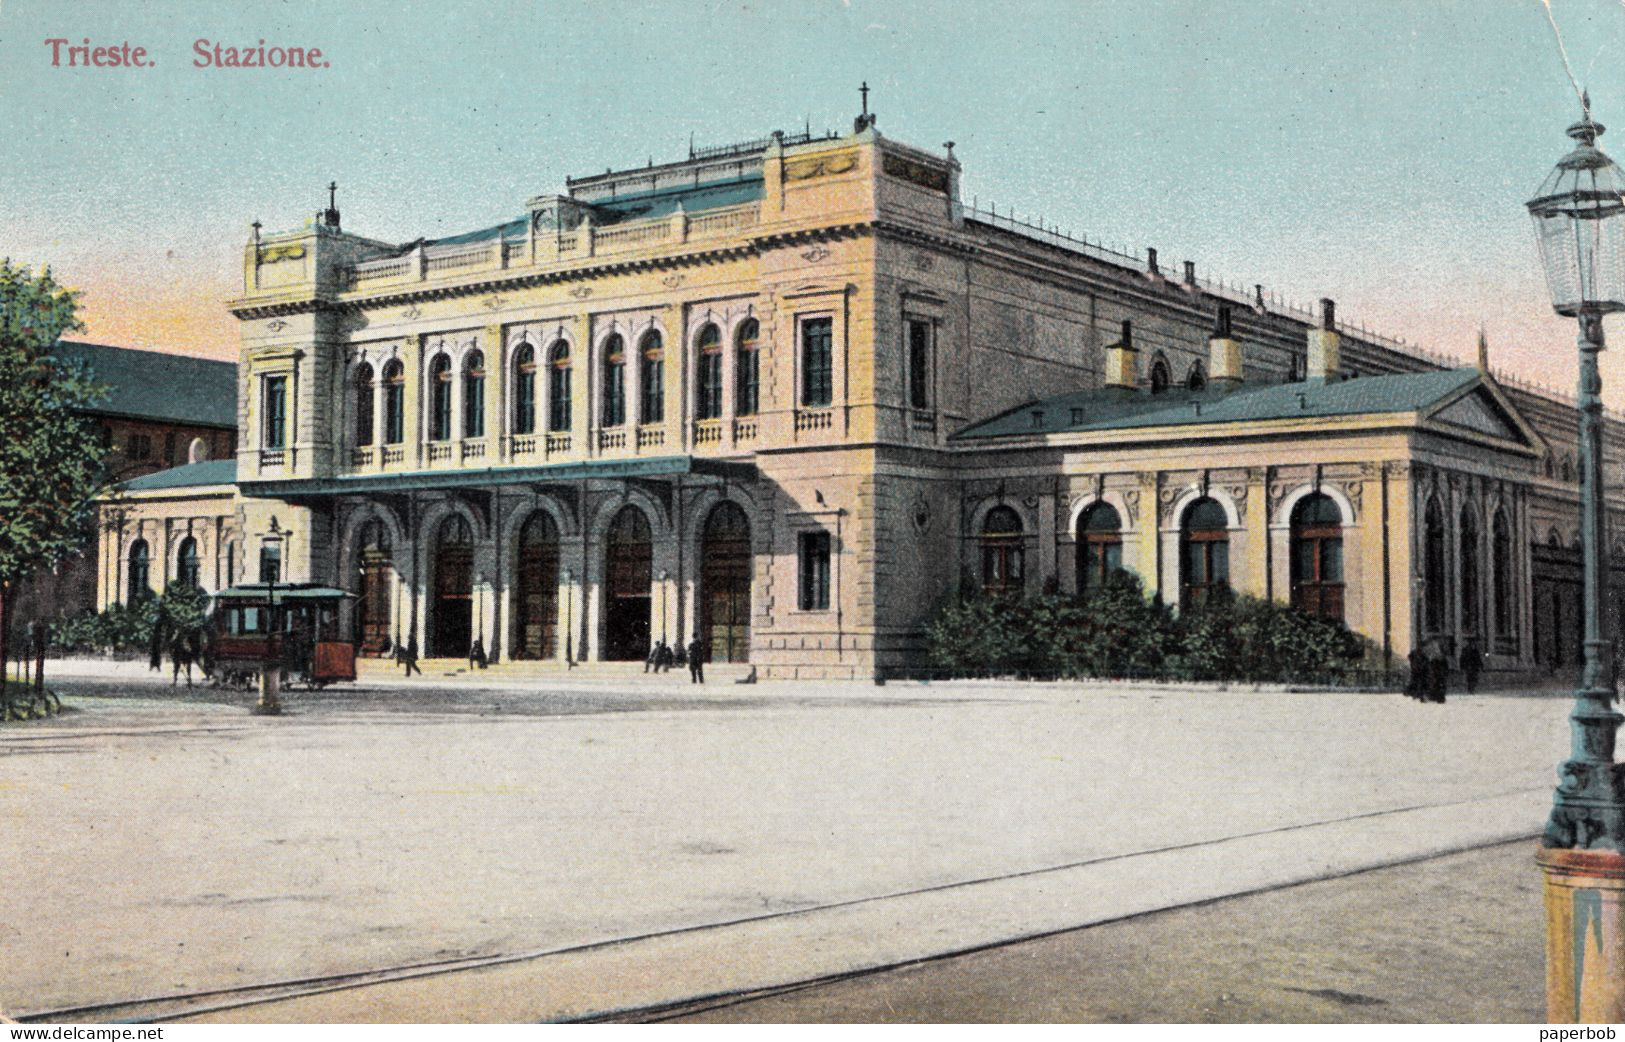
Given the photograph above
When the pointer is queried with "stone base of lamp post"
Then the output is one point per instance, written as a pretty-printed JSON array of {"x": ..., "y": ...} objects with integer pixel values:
[
  {"x": 270, "y": 703},
  {"x": 1585, "y": 935}
]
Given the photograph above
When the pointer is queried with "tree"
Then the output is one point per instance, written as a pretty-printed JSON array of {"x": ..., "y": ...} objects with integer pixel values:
[{"x": 51, "y": 458}]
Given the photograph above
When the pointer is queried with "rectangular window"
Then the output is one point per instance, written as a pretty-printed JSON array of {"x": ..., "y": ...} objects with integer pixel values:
[
  {"x": 711, "y": 385},
  {"x": 654, "y": 388},
  {"x": 270, "y": 563},
  {"x": 275, "y": 400},
  {"x": 817, "y": 362},
  {"x": 919, "y": 364},
  {"x": 139, "y": 447},
  {"x": 169, "y": 449},
  {"x": 814, "y": 556},
  {"x": 748, "y": 382}
]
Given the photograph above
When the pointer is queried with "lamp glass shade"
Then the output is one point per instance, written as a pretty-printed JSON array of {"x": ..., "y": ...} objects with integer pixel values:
[{"x": 1579, "y": 216}]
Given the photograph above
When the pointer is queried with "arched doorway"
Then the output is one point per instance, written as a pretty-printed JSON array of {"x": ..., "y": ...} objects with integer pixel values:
[
  {"x": 725, "y": 572},
  {"x": 628, "y": 565},
  {"x": 453, "y": 589},
  {"x": 536, "y": 612},
  {"x": 374, "y": 568}
]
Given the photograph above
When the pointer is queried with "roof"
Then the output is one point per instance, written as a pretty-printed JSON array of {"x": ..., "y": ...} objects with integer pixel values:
[
  {"x": 156, "y": 385},
  {"x": 663, "y": 203},
  {"x": 190, "y": 475},
  {"x": 1109, "y": 409},
  {"x": 425, "y": 480},
  {"x": 282, "y": 592}
]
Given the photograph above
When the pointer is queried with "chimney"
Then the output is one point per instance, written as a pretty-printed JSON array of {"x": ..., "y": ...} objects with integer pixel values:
[
  {"x": 1190, "y": 274},
  {"x": 1223, "y": 354},
  {"x": 1151, "y": 262},
  {"x": 1121, "y": 368},
  {"x": 1325, "y": 358}
]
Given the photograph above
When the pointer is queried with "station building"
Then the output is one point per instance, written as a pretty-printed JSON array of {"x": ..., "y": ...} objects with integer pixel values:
[{"x": 792, "y": 394}]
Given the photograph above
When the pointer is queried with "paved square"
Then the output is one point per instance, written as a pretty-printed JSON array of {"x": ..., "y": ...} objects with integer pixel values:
[{"x": 164, "y": 846}]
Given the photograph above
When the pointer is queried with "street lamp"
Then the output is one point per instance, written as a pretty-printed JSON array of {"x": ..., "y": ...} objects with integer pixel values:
[
  {"x": 665, "y": 577},
  {"x": 569, "y": 628},
  {"x": 270, "y": 703},
  {"x": 1578, "y": 227}
]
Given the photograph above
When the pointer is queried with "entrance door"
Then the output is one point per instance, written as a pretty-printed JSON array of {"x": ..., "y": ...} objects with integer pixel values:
[
  {"x": 374, "y": 569},
  {"x": 537, "y": 618},
  {"x": 628, "y": 561},
  {"x": 453, "y": 590},
  {"x": 725, "y": 584}
]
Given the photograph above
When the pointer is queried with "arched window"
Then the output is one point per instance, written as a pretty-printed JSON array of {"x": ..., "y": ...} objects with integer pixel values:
[
  {"x": 1505, "y": 594},
  {"x": 1002, "y": 551},
  {"x": 440, "y": 398},
  {"x": 197, "y": 450},
  {"x": 188, "y": 570},
  {"x": 708, "y": 346},
  {"x": 394, "y": 403},
  {"x": 1160, "y": 377},
  {"x": 652, "y": 378},
  {"x": 1197, "y": 379},
  {"x": 474, "y": 395},
  {"x": 1100, "y": 545},
  {"x": 1317, "y": 556},
  {"x": 363, "y": 404},
  {"x": 138, "y": 586},
  {"x": 1433, "y": 591},
  {"x": 1470, "y": 587},
  {"x": 747, "y": 368},
  {"x": 1204, "y": 553},
  {"x": 614, "y": 381},
  {"x": 524, "y": 390},
  {"x": 558, "y": 387}
]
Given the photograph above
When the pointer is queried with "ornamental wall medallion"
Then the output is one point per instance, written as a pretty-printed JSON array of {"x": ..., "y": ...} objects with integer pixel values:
[
  {"x": 493, "y": 303},
  {"x": 581, "y": 292},
  {"x": 916, "y": 173},
  {"x": 276, "y": 325},
  {"x": 820, "y": 166},
  {"x": 412, "y": 312},
  {"x": 923, "y": 263},
  {"x": 814, "y": 255},
  {"x": 1238, "y": 495},
  {"x": 672, "y": 281},
  {"x": 1131, "y": 499},
  {"x": 921, "y": 515},
  {"x": 273, "y": 254}
]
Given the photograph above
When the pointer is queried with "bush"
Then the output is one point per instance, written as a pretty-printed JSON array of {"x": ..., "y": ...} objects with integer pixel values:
[
  {"x": 120, "y": 630},
  {"x": 1116, "y": 631}
]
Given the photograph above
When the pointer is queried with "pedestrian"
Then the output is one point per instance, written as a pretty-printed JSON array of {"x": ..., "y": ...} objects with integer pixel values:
[
  {"x": 409, "y": 658},
  {"x": 696, "y": 661},
  {"x": 653, "y": 661},
  {"x": 1438, "y": 671},
  {"x": 476, "y": 655},
  {"x": 1472, "y": 662},
  {"x": 666, "y": 658},
  {"x": 1416, "y": 685}
]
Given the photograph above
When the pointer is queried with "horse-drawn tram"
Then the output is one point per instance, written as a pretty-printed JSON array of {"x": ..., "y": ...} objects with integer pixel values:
[{"x": 292, "y": 628}]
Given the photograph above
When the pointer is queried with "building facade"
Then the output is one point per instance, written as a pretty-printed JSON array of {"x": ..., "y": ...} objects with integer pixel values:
[{"x": 790, "y": 395}]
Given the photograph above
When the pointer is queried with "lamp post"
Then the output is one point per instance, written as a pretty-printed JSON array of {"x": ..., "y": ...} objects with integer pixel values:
[
  {"x": 665, "y": 577},
  {"x": 1579, "y": 217},
  {"x": 270, "y": 703},
  {"x": 569, "y": 627}
]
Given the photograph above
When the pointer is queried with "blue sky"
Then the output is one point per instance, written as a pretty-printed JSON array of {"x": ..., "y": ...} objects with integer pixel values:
[{"x": 1375, "y": 152}]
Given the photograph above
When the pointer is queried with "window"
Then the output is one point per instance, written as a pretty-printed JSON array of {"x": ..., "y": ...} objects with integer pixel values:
[
  {"x": 474, "y": 395},
  {"x": 1100, "y": 545},
  {"x": 188, "y": 570},
  {"x": 708, "y": 345},
  {"x": 1506, "y": 589},
  {"x": 1469, "y": 574},
  {"x": 524, "y": 390},
  {"x": 107, "y": 436},
  {"x": 919, "y": 364},
  {"x": 614, "y": 381},
  {"x": 270, "y": 563},
  {"x": 169, "y": 449},
  {"x": 1205, "y": 553},
  {"x": 139, "y": 447},
  {"x": 814, "y": 556},
  {"x": 1317, "y": 556},
  {"x": 1197, "y": 379},
  {"x": 558, "y": 388},
  {"x": 276, "y": 412},
  {"x": 394, "y": 403},
  {"x": 748, "y": 369},
  {"x": 1433, "y": 592},
  {"x": 817, "y": 362},
  {"x": 138, "y": 586},
  {"x": 1003, "y": 553},
  {"x": 230, "y": 555},
  {"x": 652, "y": 378},
  {"x": 1160, "y": 377},
  {"x": 440, "y": 398},
  {"x": 363, "y": 405}
]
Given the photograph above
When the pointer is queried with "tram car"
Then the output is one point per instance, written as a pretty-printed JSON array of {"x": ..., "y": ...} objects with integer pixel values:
[{"x": 293, "y": 627}]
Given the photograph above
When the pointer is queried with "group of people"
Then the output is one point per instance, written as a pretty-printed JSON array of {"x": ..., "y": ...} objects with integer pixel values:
[
  {"x": 662, "y": 657},
  {"x": 1430, "y": 669}
]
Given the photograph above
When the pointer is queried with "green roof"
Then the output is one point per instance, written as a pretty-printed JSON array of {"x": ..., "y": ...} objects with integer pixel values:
[
  {"x": 156, "y": 385},
  {"x": 1106, "y": 409},
  {"x": 427, "y": 480},
  {"x": 663, "y": 203},
  {"x": 190, "y": 475}
]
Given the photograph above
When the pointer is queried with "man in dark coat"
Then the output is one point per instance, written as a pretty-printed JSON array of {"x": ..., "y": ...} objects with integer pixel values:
[
  {"x": 696, "y": 661},
  {"x": 409, "y": 657},
  {"x": 1438, "y": 671},
  {"x": 1472, "y": 663}
]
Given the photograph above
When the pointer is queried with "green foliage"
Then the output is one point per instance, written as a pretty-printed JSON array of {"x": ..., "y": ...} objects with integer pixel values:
[
  {"x": 1116, "y": 631},
  {"x": 50, "y": 453},
  {"x": 119, "y": 630}
]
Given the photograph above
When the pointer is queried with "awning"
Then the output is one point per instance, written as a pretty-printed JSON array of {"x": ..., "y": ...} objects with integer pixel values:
[{"x": 654, "y": 467}]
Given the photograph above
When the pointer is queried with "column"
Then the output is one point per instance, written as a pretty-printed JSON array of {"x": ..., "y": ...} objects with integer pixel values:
[{"x": 1253, "y": 504}]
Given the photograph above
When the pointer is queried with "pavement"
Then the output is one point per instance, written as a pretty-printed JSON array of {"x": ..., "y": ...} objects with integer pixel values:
[{"x": 502, "y": 849}]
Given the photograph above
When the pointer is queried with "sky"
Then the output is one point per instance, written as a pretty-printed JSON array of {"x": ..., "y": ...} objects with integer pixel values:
[{"x": 1376, "y": 152}]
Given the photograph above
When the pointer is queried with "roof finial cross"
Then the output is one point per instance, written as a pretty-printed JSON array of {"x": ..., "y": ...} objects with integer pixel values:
[{"x": 864, "y": 90}]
